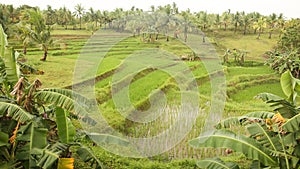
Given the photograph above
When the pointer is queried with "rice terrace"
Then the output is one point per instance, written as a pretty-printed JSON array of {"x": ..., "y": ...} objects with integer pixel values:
[{"x": 166, "y": 86}]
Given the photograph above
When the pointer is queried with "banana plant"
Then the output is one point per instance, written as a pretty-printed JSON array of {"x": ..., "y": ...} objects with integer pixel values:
[
  {"x": 272, "y": 138},
  {"x": 35, "y": 126}
]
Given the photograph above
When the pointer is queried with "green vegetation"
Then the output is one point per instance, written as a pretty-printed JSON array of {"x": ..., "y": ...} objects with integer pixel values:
[
  {"x": 273, "y": 140},
  {"x": 37, "y": 128}
]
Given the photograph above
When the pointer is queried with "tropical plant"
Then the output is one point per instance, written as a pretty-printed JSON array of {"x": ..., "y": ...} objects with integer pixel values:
[
  {"x": 50, "y": 16},
  {"x": 286, "y": 54},
  {"x": 35, "y": 129},
  {"x": 259, "y": 25},
  {"x": 226, "y": 19},
  {"x": 79, "y": 11},
  {"x": 245, "y": 21},
  {"x": 185, "y": 23},
  {"x": 23, "y": 34},
  {"x": 236, "y": 20},
  {"x": 272, "y": 23},
  {"x": 272, "y": 137},
  {"x": 40, "y": 33},
  {"x": 65, "y": 16}
]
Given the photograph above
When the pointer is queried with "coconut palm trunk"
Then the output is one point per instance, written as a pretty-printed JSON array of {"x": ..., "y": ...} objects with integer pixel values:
[
  {"x": 245, "y": 29},
  {"x": 45, "y": 55},
  {"x": 24, "y": 50},
  {"x": 258, "y": 36},
  {"x": 80, "y": 23}
]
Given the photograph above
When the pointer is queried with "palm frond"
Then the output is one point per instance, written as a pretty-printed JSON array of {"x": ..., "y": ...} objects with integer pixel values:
[{"x": 14, "y": 111}]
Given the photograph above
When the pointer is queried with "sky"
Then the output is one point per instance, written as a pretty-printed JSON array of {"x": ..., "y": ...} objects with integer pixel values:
[{"x": 290, "y": 8}]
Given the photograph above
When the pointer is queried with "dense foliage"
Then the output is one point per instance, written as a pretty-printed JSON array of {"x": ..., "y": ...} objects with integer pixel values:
[
  {"x": 35, "y": 129},
  {"x": 272, "y": 138},
  {"x": 286, "y": 56}
]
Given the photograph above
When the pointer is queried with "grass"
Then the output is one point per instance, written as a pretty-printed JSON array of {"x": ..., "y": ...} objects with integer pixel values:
[
  {"x": 255, "y": 47},
  {"x": 249, "y": 93},
  {"x": 244, "y": 82}
]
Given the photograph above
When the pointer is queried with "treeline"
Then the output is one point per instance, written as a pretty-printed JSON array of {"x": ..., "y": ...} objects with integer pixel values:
[{"x": 81, "y": 18}]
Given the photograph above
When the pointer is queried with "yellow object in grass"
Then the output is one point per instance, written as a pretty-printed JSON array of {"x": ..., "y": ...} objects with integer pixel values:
[{"x": 65, "y": 163}]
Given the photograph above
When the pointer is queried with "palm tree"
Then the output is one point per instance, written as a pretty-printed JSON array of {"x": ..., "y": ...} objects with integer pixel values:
[
  {"x": 175, "y": 8},
  {"x": 272, "y": 21},
  {"x": 98, "y": 17},
  {"x": 280, "y": 22},
  {"x": 23, "y": 34},
  {"x": 106, "y": 18},
  {"x": 217, "y": 20},
  {"x": 49, "y": 15},
  {"x": 152, "y": 8},
  {"x": 255, "y": 17},
  {"x": 66, "y": 15},
  {"x": 236, "y": 19},
  {"x": 92, "y": 16},
  {"x": 202, "y": 20},
  {"x": 245, "y": 21},
  {"x": 79, "y": 12},
  {"x": 226, "y": 19},
  {"x": 44, "y": 39},
  {"x": 167, "y": 18},
  {"x": 260, "y": 25},
  {"x": 186, "y": 23},
  {"x": 40, "y": 33}
]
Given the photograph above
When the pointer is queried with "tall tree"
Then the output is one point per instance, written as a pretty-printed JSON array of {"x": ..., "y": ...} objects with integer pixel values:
[
  {"x": 79, "y": 12},
  {"x": 260, "y": 25},
  {"x": 245, "y": 21},
  {"x": 226, "y": 19},
  {"x": 186, "y": 23},
  {"x": 40, "y": 33},
  {"x": 236, "y": 20},
  {"x": 217, "y": 21},
  {"x": 92, "y": 17},
  {"x": 202, "y": 20},
  {"x": 67, "y": 16},
  {"x": 255, "y": 17},
  {"x": 22, "y": 33},
  {"x": 49, "y": 15},
  {"x": 272, "y": 22}
]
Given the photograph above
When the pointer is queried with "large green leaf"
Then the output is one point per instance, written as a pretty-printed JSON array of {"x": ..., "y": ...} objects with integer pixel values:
[
  {"x": 259, "y": 130},
  {"x": 287, "y": 83},
  {"x": 3, "y": 139},
  {"x": 290, "y": 86},
  {"x": 14, "y": 164},
  {"x": 286, "y": 108},
  {"x": 11, "y": 67},
  {"x": 3, "y": 41},
  {"x": 216, "y": 163},
  {"x": 292, "y": 124},
  {"x": 108, "y": 139},
  {"x": 62, "y": 101},
  {"x": 260, "y": 115},
  {"x": 268, "y": 96},
  {"x": 15, "y": 112},
  {"x": 66, "y": 130},
  {"x": 229, "y": 122},
  {"x": 49, "y": 155},
  {"x": 243, "y": 144},
  {"x": 35, "y": 138},
  {"x": 244, "y": 120},
  {"x": 83, "y": 101},
  {"x": 87, "y": 155}
]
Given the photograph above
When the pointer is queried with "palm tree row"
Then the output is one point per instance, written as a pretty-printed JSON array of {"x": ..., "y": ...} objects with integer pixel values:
[
  {"x": 239, "y": 21},
  {"x": 30, "y": 24}
]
